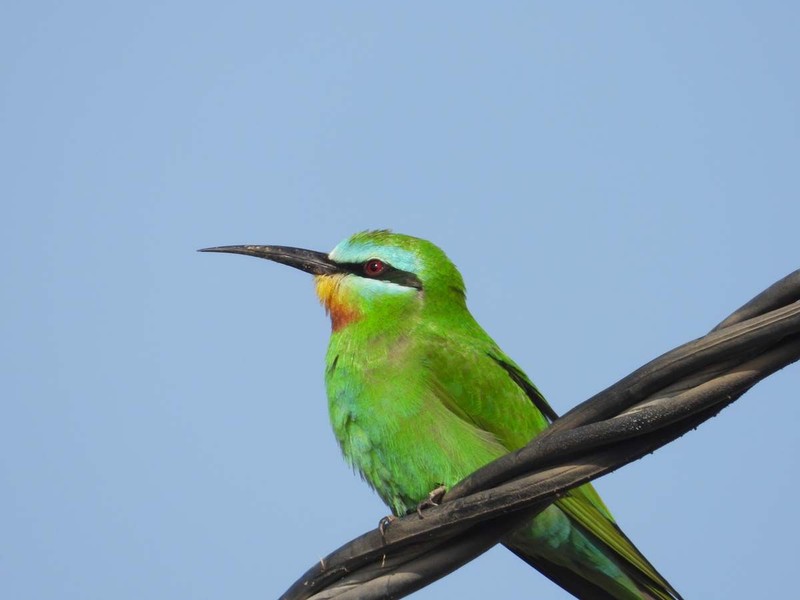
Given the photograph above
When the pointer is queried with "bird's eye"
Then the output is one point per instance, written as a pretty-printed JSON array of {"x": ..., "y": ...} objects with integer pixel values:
[{"x": 374, "y": 267}]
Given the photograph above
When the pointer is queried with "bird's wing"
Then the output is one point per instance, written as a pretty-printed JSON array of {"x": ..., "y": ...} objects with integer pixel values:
[
  {"x": 481, "y": 385},
  {"x": 525, "y": 384},
  {"x": 476, "y": 382},
  {"x": 586, "y": 492}
]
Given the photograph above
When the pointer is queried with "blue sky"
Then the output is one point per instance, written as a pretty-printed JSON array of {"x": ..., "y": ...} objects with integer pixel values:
[{"x": 611, "y": 179}]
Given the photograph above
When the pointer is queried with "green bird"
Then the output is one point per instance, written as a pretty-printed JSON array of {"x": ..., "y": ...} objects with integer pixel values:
[{"x": 419, "y": 396}]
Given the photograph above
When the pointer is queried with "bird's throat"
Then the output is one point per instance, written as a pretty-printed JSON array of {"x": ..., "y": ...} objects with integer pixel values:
[{"x": 342, "y": 312}]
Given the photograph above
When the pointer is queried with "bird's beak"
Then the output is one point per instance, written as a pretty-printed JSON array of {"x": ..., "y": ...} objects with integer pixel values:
[{"x": 316, "y": 263}]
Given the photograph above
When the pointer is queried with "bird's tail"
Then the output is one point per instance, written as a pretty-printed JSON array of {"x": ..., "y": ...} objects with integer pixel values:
[{"x": 578, "y": 546}]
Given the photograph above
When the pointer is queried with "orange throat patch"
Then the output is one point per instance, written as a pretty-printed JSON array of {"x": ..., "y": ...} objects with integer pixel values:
[{"x": 330, "y": 295}]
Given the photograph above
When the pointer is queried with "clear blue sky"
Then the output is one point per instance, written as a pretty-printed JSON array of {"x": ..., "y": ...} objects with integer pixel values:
[{"x": 612, "y": 179}]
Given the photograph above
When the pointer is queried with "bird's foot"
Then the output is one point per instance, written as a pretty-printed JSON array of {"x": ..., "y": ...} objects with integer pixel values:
[
  {"x": 434, "y": 498},
  {"x": 384, "y": 523}
]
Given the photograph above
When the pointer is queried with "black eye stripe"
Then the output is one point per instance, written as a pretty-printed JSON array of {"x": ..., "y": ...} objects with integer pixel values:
[{"x": 398, "y": 276}]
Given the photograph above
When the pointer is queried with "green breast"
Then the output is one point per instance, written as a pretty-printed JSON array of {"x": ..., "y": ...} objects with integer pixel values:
[{"x": 411, "y": 413}]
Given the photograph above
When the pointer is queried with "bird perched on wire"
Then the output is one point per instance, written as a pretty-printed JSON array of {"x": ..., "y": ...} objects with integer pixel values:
[{"x": 420, "y": 397}]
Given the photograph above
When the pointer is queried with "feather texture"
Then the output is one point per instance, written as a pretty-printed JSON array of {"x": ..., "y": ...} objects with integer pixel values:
[{"x": 419, "y": 396}]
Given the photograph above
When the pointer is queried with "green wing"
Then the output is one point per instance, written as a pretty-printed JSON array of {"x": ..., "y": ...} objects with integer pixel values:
[
  {"x": 475, "y": 381},
  {"x": 503, "y": 401},
  {"x": 525, "y": 384}
]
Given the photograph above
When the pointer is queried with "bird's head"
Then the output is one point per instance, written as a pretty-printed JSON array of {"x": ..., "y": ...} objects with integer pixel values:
[{"x": 374, "y": 275}]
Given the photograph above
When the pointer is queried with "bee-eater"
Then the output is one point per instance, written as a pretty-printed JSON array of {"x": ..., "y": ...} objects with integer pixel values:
[{"x": 420, "y": 396}]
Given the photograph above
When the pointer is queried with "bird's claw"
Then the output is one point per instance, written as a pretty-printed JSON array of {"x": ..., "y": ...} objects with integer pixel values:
[
  {"x": 434, "y": 498},
  {"x": 384, "y": 523}
]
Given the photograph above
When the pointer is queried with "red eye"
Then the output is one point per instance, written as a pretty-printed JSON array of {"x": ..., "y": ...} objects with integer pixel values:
[{"x": 374, "y": 267}]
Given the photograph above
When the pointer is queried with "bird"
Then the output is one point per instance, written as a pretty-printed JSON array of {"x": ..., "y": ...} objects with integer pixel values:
[{"x": 420, "y": 396}]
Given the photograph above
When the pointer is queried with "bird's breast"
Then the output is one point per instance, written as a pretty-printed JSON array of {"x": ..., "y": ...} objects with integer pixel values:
[{"x": 391, "y": 425}]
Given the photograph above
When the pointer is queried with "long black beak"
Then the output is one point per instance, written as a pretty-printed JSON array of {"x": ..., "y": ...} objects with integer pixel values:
[{"x": 316, "y": 263}]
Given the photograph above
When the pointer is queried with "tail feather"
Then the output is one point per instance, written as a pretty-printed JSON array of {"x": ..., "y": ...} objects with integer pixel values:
[
  {"x": 561, "y": 576},
  {"x": 650, "y": 582},
  {"x": 585, "y": 552},
  {"x": 602, "y": 531},
  {"x": 583, "y": 588}
]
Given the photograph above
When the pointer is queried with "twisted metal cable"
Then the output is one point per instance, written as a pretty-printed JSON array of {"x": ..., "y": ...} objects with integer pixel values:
[{"x": 649, "y": 408}]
